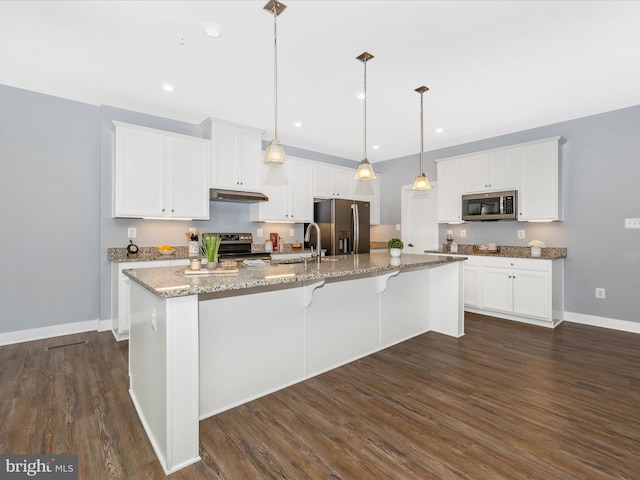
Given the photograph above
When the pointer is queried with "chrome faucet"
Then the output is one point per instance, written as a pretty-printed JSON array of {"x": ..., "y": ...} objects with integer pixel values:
[{"x": 307, "y": 237}]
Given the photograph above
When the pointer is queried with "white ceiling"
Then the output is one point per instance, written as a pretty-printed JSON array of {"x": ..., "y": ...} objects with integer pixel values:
[{"x": 493, "y": 67}]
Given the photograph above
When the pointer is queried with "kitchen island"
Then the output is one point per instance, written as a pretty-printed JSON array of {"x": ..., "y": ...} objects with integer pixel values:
[{"x": 202, "y": 344}]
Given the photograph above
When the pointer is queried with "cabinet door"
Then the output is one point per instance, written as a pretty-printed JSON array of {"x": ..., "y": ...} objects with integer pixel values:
[
  {"x": 301, "y": 192},
  {"x": 188, "y": 166},
  {"x": 531, "y": 294},
  {"x": 224, "y": 156},
  {"x": 497, "y": 289},
  {"x": 502, "y": 170},
  {"x": 322, "y": 181},
  {"x": 250, "y": 159},
  {"x": 274, "y": 184},
  {"x": 368, "y": 191},
  {"x": 139, "y": 173},
  {"x": 475, "y": 173},
  {"x": 472, "y": 286},
  {"x": 539, "y": 193},
  {"x": 343, "y": 183},
  {"x": 449, "y": 203}
]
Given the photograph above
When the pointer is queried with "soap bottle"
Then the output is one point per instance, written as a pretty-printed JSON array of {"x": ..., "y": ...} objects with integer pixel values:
[{"x": 454, "y": 247}]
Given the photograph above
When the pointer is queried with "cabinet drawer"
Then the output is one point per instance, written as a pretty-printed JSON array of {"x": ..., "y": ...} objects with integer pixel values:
[{"x": 517, "y": 263}]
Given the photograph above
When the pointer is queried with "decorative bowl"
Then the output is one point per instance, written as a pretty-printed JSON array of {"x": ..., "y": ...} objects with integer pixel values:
[{"x": 167, "y": 252}]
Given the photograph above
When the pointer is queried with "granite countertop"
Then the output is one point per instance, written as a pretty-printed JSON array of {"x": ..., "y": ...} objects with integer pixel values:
[
  {"x": 147, "y": 254},
  {"x": 166, "y": 282},
  {"x": 548, "y": 253}
]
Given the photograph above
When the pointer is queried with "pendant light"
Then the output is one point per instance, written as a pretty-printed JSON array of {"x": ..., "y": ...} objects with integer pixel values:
[
  {"x": 274, "y": 153},
  {"x": 422, "y": 182},
  {"x": 365, "y": 170}
]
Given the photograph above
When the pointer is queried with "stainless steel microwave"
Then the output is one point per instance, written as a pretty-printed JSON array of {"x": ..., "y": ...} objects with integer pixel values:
[{"x": 490, "y": 206}]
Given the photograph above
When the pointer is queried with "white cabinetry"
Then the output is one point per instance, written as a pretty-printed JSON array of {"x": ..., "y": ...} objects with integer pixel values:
[
  {"x": 472, "y": 282},
  {"x": 540, "y": 189},
  {"x": 368, "y": 191},
  {"x": 332, "y": 182},
  {"x": 492, "y": 171},
  {"x": 290, "y": 191},
  {"x": 120, "y": 298},
  {"x": 236, "y": 153},
  {"x": 159, "y": 174},
  {"x": 527, "y": 290},
  {"x": 448, "y": 200}
]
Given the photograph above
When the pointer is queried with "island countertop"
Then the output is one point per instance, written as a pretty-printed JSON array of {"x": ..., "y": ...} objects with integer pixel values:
[{"x": 167, "y": 282}]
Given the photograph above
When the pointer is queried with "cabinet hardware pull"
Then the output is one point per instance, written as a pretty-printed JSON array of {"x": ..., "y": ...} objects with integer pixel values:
[{"x": 411, "y": 244}]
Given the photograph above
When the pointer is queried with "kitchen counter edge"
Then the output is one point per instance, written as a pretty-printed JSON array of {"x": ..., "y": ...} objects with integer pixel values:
[{"x": 169, "y": 282}]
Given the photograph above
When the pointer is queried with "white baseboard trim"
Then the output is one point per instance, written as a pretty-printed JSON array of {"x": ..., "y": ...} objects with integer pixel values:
[
  {"x": 612, "y": 323},
  {"x": 20, "y": 336}
]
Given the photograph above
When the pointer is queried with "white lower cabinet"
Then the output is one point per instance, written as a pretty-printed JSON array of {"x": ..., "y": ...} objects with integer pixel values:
[
  {"x": 472, "y": 272},
  {"x": 120, "y": 299},
  {"x": 528, "y": 290}
]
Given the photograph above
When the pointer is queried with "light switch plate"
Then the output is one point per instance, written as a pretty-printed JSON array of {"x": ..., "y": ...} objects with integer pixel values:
[
  {"x": 132, "y": 232},
  {"x": 520, "y": 233},
  {"x": 463, "y": 233},
  {"x": 292, "y": 232},
  {"x": 259, "y": 233}
]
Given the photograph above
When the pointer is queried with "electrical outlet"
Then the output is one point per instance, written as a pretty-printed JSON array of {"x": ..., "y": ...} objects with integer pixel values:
[
  {"x": 397, "y": 227},
  {"x": 153, "y": 319},
  {"x": 463, "y": 234},
  {"x": 132, "y": 232},
  {"x": 259, "y": 233},
  {"x": 520, "y": 233},
  {"x": 632, "y": 223},
  {"x": 292, "y": 232},
  {"x": 600, "y": 293}
]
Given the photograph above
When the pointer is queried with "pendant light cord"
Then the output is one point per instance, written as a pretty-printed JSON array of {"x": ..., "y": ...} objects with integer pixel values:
[
  {"x": 275, "y": 73},
  {"x": 421, "y": 130},
  {"x": 364, "y": 146}
]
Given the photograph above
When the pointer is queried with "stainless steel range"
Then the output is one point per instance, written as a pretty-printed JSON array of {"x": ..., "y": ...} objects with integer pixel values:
[{"x": 237, "y": 245}]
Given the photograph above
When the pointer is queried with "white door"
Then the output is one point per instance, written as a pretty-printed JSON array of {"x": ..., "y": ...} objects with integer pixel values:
[{"x": 419, "y": 229}]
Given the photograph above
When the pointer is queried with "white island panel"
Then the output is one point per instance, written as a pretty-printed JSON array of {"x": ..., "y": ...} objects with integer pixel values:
[
  {"x": 343, "y": 323},
  {"x": 250, "y": 345}
]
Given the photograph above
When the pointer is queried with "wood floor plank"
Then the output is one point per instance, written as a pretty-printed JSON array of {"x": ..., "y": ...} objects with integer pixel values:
[{"x": 506, "y": 401}]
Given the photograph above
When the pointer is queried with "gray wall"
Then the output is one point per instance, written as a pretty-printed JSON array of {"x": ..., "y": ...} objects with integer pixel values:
[
  {"x": 55, "y": 208},
  {"x": 49, "y": 210},
  {"x": 600, "y": 184}
]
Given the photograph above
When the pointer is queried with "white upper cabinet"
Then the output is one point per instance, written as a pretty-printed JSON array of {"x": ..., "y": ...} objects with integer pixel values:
[
  {"x": 540, "y": 190},
  {"x": 290, "y": 191},
  {"x": 159, "y": 174},
  {"x": 369, "y": 191},
  {"x": 332, "y": 182},
  {"x": 236, "y": 153},
  {"x": 491, "y": 171},
  {"x": 448, "y": 196}
]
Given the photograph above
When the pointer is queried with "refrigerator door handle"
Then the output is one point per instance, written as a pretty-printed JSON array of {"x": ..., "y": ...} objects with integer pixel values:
[{"x": 356, "y": 227}]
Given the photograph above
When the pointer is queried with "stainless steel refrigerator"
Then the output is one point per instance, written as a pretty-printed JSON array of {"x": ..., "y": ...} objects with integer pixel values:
[{"x": 344, "y": 226}]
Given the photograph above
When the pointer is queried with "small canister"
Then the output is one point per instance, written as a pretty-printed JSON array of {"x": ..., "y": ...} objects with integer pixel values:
[{"x": 268, "y": 246}]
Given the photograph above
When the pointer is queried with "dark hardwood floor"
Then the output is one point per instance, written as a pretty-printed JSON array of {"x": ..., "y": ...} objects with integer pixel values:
[{"x": 506, "y": 401}]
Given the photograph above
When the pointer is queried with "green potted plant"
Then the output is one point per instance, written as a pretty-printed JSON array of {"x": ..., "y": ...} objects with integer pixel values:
[
  {"x": 395, "y": 247},
  {"x": 210, "y": 246}
]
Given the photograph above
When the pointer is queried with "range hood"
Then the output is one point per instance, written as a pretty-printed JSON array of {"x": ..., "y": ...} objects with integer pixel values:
[{"x": 222, "y": 195}]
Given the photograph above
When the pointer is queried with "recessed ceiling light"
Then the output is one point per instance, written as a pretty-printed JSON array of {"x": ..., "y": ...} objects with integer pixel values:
[
  {"x": 297, "y": 124},
  {"x": 439, "y": 130},
  {"x": 360, "y": 95},
  {"x": 211, "y": 30},
  {"x": 376, "y": 147},
  {"x": 168, "y": 87}
]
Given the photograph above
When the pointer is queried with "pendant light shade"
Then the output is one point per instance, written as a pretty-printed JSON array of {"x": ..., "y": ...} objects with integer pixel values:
[
  {"x": 421, "y": 182},
  {"x": 274, "y": 153},
  {"x": 365, "y": 170}
]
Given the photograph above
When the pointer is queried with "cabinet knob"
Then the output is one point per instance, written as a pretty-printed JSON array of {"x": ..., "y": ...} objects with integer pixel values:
[
  {"x": 410, "y": 245},
  {"x": 163, "y": 210},
  {"x": 172, "y": 210}
]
